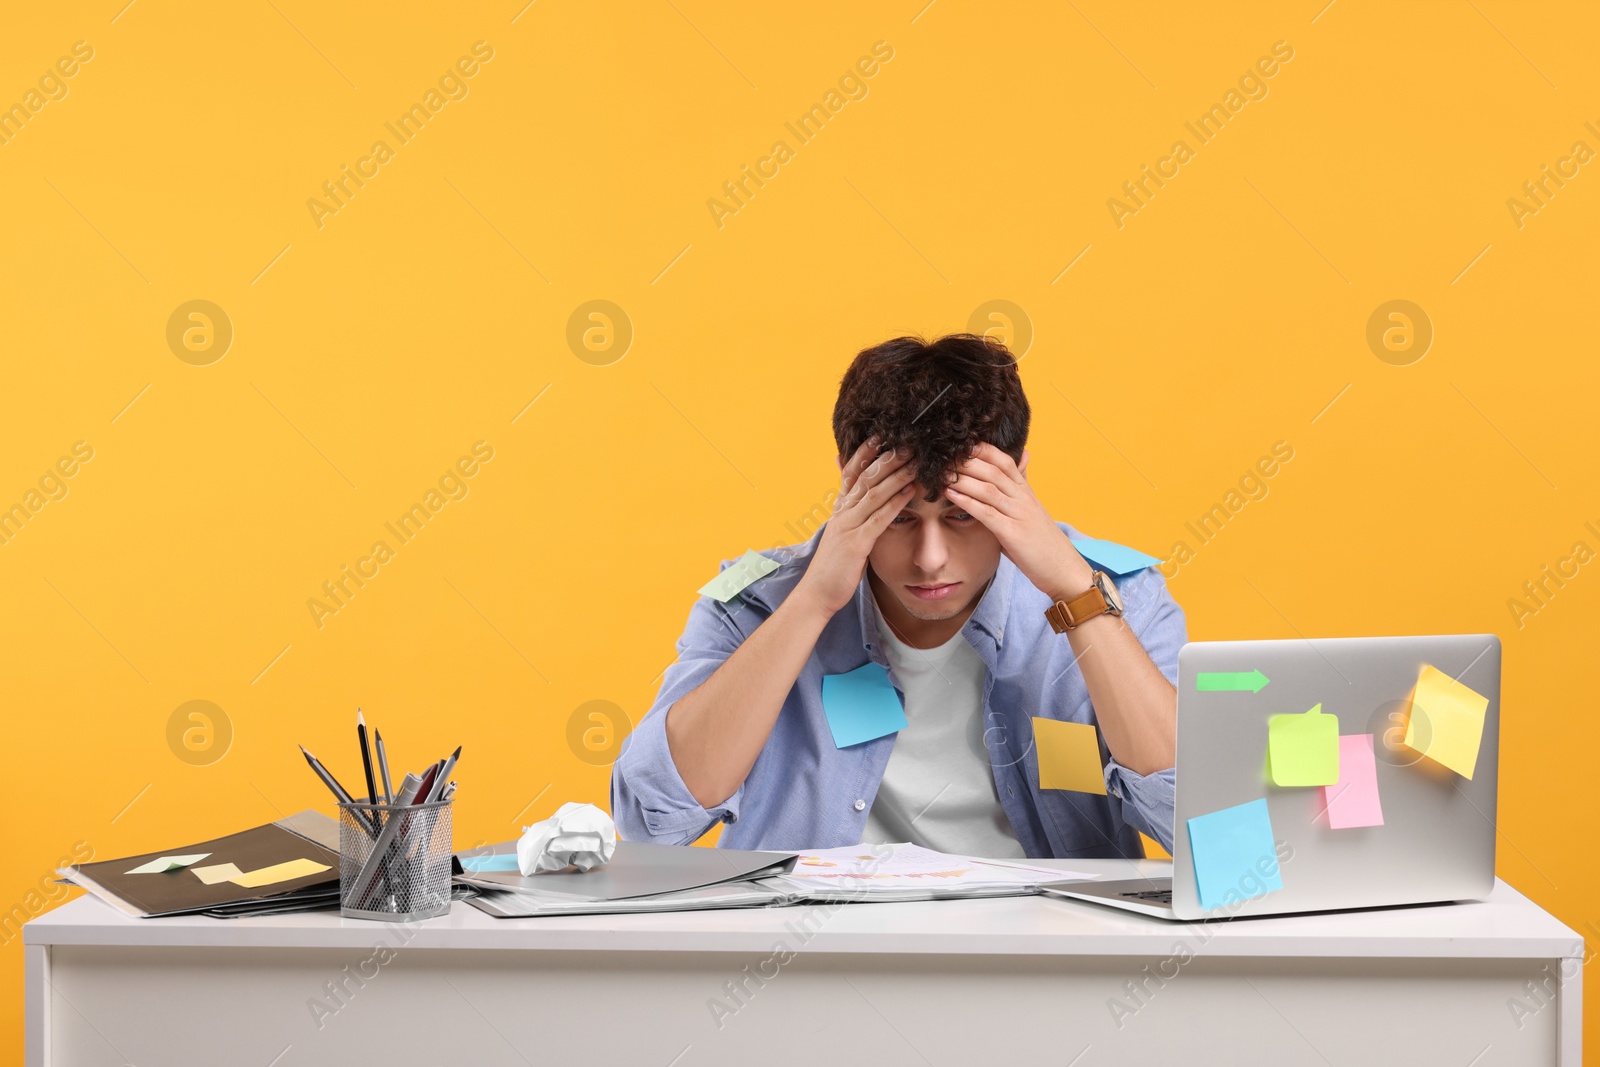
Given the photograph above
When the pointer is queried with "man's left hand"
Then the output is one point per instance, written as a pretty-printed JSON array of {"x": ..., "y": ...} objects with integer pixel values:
[{"x": 992, "y": 488}]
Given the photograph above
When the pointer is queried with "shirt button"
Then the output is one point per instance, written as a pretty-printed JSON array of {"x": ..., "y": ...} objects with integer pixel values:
[
  {"x": 860, "y": 805},
  {"x": 1010, "y": 791}
]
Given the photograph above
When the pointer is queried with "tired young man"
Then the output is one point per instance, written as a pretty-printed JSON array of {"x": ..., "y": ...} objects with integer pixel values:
[{"x": 939, "y": 565}]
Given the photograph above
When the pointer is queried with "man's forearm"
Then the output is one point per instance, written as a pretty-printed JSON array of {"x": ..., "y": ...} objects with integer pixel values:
[
  {"x": 1135, "y": 705},
  {"x": 716, "y": 731}
]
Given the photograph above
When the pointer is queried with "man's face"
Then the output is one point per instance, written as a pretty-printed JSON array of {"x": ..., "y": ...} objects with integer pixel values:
[{"x": 934, "y": 558}]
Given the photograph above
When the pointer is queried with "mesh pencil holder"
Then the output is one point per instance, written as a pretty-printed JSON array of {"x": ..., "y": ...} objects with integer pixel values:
[{"x": 394, "y": 861}]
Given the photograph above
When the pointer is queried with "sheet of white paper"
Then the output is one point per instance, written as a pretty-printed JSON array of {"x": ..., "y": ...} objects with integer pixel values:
[{"x": 912, "y": 866}]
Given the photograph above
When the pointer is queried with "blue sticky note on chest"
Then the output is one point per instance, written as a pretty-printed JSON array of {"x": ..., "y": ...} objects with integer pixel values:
[
  {"x": 1111, "y": 557},
  {"x": 1235, "y": 856},
  {"x": 861, "y": 705}
]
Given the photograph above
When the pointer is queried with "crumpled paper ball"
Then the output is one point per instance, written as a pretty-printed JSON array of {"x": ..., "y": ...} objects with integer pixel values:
[{"x": 577, "y": 835}]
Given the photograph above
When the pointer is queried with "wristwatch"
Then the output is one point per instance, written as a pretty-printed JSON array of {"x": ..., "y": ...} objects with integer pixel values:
[{"x": 1101, "y": 599}]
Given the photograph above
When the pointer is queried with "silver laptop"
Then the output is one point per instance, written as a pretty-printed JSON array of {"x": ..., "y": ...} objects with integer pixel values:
[{"x": 1437, "y": 838}]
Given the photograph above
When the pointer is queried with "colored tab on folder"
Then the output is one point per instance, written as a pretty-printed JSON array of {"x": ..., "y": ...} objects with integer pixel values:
[
  {"x": 735, "y": 578},
  {"x": 861, "y": 705},
  {"x": 279, "y": 872},
  {"x": 217, "y": 872},
  {"x": 1445, "y": 721},
  {"x": 1069, "y": 756},
  {"x": 162, "y": 864},
  {"x": 1303, "y": 749}
]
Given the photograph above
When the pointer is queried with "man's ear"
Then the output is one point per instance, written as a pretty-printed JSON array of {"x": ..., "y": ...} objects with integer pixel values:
[
  {"x": 841, "y": 463},
  {"x": 1022, "y": 465}
]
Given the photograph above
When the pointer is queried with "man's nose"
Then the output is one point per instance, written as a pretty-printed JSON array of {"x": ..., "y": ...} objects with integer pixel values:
[{"x": 932, "y": 551}]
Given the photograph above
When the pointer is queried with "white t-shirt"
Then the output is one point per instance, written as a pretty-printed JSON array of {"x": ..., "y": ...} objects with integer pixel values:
[{"x": 938, "y": 789}]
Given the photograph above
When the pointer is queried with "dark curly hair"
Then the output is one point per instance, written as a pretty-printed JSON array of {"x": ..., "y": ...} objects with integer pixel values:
[{"x": 939, "y": 399}]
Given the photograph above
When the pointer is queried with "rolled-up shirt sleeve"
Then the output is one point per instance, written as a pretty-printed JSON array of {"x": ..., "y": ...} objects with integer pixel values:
[
  {"x": 649, "y": 800},
  {"x": 1158, "y": 622}
]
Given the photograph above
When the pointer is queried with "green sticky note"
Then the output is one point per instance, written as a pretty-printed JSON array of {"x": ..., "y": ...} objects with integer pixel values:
[
  {"x": 162, "y": 864},
  {"x": 749, "y": 567},
  {"x": 1303, "y": 749}
]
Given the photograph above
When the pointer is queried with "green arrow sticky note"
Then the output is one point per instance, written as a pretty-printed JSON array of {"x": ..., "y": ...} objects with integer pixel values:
[
  {"x": 749, "y": 567},
  {"x": 1226, "y": 681},
  {"x": 1303, "y": 749}
]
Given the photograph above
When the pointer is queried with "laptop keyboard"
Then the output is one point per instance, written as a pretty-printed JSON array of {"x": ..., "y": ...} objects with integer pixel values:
[{"x": 1154, "y": 896}]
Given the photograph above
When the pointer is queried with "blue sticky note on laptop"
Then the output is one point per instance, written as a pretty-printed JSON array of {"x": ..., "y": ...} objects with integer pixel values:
[
  {"x": 861, "y": 705},
  {"x": 1111, "y": 557},
  {"x": 1235, "y": 855},
  {"x": 505, "y": 861}
]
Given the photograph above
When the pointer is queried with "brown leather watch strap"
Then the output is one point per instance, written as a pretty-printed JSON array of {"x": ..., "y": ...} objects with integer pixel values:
[{"x": 1063, "y": 615}]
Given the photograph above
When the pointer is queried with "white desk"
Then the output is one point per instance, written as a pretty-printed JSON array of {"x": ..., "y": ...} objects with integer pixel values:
[{"x": 1027, "y": 980}]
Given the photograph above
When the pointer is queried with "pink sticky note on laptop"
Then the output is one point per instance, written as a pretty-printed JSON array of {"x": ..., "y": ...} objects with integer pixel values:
[{"x": 1353, "y": 800}]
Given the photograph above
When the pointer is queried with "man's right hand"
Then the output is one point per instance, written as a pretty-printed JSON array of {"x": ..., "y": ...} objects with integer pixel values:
[{"x": 873, "y": 489}]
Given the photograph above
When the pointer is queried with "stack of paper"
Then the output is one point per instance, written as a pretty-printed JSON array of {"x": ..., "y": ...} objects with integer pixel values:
[{"x": 909, "y": 872}]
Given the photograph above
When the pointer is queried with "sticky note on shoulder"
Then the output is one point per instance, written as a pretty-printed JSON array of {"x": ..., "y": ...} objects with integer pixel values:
[
  {"x": 1111, "y": 557},
  {"x": 861, "y": 705},
  {"x": 1303, "y": 749},
  {"x": 1069, "y": 756},
  {"x": 736, "y": 578},
  {"x": 1445, "y": 720},
  {"x": 1353, "y": 800},
  {"x": 1235, "y": 855}
]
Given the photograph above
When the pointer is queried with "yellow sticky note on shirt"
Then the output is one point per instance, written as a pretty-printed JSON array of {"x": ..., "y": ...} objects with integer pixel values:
[
  {"x": 1445, "y": 720},
  {"x": 279, "y": 872},
  {"x": 1069, "y": 756}
]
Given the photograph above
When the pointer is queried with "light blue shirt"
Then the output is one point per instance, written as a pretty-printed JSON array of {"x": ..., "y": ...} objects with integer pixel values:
[{"x": 804, "y": 792}]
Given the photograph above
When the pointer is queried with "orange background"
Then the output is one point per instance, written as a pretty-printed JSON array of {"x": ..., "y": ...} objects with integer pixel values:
[{"x": 1163, "y": 357}]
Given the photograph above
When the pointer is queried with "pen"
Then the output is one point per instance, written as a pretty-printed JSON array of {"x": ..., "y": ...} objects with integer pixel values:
[
  {"x": 383, "y": 767},
  {"x": 376, "y": 868},
  {"x": 366, "y": 757},
  {"x": 444, "y": 774},
  {"x": 333, "y": 785}
]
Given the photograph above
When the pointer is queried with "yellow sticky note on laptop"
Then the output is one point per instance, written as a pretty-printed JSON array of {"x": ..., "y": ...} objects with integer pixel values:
[
  {"x": 279, "y": 872},
  {"x": 1445, "y": 720},
  {"x": 1069, "y": 756}
]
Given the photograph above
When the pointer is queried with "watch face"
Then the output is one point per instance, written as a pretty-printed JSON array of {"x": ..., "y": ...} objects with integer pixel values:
[{"x": 1108, "y": 589}]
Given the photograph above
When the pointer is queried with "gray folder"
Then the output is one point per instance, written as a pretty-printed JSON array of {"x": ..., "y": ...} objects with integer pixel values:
[{"x": 636, "y": 869}]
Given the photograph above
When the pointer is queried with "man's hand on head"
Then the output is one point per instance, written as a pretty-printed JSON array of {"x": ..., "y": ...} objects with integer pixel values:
[
  {"x": 873, "y": 488},
  {"x": 993, "y": 489}
]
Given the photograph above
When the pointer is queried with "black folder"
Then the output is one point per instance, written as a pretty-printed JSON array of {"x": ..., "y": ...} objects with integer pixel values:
[{"x": 307, "y": 835}]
